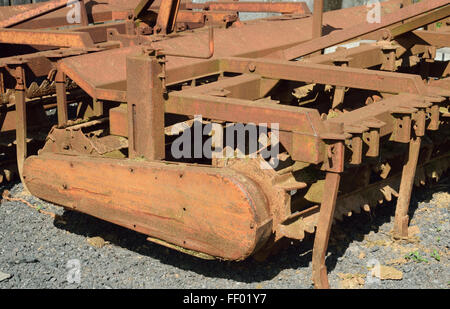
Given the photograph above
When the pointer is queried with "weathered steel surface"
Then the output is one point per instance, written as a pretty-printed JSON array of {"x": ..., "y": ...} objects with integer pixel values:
[
  {"x": 168, "y": 201},
  {"x": 254, "y": 6},
  {"x": 365, "y": 28},
  {"x": 46, "y": 38}
]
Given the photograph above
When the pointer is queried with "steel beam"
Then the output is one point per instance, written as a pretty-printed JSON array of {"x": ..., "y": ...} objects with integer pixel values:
[
  {"x": 434, "y": 38},
  {"x": 46, "y": 38},
  {"x": 40, "y": 10},
  {"x": 289, "y": 118},
  {"x": 329, "y": 75},
  {"x": 254, "y": 6}
]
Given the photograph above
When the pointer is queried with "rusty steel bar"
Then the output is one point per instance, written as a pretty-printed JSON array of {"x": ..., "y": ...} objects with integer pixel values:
[
  {"x": 401, "y": 219},
  {"x": 341, "y": 36},
  {"x": 46, "y": 38},
  {"x": 19, "y": 100},
  {"x": 42, "y": 9},
  {"x": 326, "y": 215},
  {"x": 421, "y": 21},
  {"x": 255, "y": 6},
  {"x": 290, "y": 118},
  {"x": 61, "y": 97}
]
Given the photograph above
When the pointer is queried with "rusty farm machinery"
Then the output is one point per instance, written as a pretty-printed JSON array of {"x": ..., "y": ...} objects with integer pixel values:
[{"x": 346, "y": 126}]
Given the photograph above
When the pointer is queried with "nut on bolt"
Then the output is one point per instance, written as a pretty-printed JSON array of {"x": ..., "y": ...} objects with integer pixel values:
[{"x": 252, "y": 67}]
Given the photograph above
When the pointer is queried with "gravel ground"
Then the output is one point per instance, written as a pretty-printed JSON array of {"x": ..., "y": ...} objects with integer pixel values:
[{"x": 37, "y": 251}]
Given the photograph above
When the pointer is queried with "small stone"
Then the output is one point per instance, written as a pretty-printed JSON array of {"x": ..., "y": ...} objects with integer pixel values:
[
  {"x": 96, "y": 242},
  {"x": 387, "y": 273},
  {"x": 361, "y": 255},
  {"x": 351, "y": 281},
  {"x": 413, "y": 230},
  {"x": 4, "y": 276}
]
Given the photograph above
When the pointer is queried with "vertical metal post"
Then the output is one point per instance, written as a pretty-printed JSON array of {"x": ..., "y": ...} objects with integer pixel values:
[
  {"x": 61, "y": 97},
  {"x": 145, "y": 107},
  {"x": 317, "y": 21},
  {"x": 409, "y": 171},
  {"x": 19, "y": 101},
  {"x": 84, "y": 16},
  {"x": 326, "y": 214}
]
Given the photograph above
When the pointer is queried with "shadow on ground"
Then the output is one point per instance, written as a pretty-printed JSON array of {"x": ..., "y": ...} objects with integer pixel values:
[{"x": 296, "y": 255}]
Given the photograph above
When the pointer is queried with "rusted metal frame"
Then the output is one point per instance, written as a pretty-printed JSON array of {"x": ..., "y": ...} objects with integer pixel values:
[
  {"x": 330, "y": 75},
  {"x": 39, "y": 69},
  {"x": 38, "y": 11},
  {"x": 294, "y": 126},
  {"x": 72, "y": 74},
  {"x": 271, "y": 7},
  {"x": 382, "y": 111},
  {"x": 145, "y": 107},
  {"x": 167, "y": 16},
  {"x": 61, "y": 98},
  {"x": 47, "y": 38},
  {"x": 434, "y": 38},
  {"x": 359, "y": 30}
]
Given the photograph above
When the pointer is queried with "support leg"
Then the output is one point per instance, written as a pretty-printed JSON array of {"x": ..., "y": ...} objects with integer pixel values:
[
  {"x": 326, "y": 215},
  {"x": 61, "y": 98},
  {"x": 409, "y": 171},
  {"x": 19, "y": 101}
]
